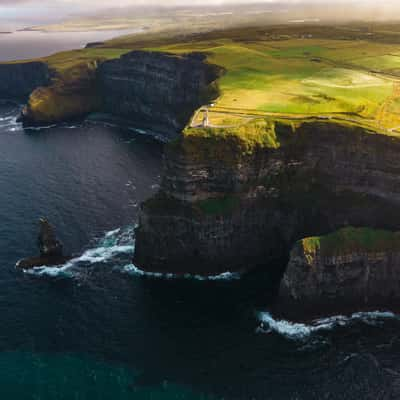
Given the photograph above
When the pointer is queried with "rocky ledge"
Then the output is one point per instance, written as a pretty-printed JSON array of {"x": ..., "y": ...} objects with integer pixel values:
[
  {"x": 351, "y": 268},
  {"x": 51, "y": 249}
]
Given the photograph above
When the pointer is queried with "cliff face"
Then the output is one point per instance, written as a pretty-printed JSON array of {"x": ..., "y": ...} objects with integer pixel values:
[
  {"x": 17, "y": 81},
  {"x": 70, "y": 95},
  {"x": 244, "y": 207},
  {"x": 157, "y": 88},
  {"x": 151, "y": 88},
  {"x": 353, "y": 267}
]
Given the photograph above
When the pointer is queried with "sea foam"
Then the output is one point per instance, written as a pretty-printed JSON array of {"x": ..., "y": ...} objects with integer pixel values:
[
  {"x": 301, "y": 331},
  {"x": 226, "y": 276},
  {"x": 115, "y": 244}
]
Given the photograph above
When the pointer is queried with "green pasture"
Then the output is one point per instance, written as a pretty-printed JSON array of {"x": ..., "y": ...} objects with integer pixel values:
[
  {"x": 309, "y": 71},
  {"x": 302, "y": 76}
]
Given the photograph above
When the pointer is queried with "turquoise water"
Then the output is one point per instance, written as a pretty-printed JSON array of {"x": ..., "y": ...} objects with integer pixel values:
[{"x": 70, "y": 377}]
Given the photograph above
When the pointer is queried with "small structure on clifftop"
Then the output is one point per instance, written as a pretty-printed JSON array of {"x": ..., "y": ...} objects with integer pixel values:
[
  {"x": 206, "y": 120},
  {"x": 51, "y": 249}
]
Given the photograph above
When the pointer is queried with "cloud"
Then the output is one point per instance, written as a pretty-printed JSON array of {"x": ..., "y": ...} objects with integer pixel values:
[{"x": 36, "y": 11}]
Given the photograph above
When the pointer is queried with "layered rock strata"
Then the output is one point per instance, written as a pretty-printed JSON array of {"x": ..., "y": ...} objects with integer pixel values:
[
  {"x": 226, "y": 204},
  {"x": 19, "y": 80},
  {"x": 353, "y": 267},
  {"x": 156, "y": 88}
]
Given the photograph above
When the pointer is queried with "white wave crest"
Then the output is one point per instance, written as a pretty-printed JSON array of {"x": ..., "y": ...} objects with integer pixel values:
[
  {"x": 10, "y": 118},
  {"x": 226, "y": 276},
  {"x": 118, "y": 243},
  {"x": 53, "y": 272},
  {"x": 39, "y": 128},
  {"x": 301, "y": 331}
]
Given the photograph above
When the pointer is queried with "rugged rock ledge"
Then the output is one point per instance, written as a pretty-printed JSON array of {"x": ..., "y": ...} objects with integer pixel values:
[
  {"x": 157, "y": 88},
  {"x": 19, "y": 80},
  {"x": 354, "y": 268},
  {"x": 230, "y": 204}
]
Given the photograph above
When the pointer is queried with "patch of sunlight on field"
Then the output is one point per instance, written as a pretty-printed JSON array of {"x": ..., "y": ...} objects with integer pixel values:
[
  {"x": 270, "y": 83},
  {"x": 345, "y": 79},
  {"x": 380, "y": 63}
]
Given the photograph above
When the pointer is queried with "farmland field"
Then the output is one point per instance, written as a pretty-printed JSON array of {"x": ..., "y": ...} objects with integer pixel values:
[
  {"x": 348, "y": 73},
  {"x": 305, "y": 77}
]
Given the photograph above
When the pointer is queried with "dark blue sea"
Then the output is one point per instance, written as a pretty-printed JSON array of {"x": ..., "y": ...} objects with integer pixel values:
[{"x": 97, "y": 328}]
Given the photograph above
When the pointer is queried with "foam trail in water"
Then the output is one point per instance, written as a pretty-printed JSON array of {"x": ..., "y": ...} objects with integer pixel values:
[
  {"x": 226, "y": 276},
  {"x": 115, "y": 244},
  {"x": 301, "y": 331}
]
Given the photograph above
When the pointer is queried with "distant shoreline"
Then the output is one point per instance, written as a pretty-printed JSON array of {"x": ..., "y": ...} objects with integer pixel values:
[{"x": 75, "y": 30}]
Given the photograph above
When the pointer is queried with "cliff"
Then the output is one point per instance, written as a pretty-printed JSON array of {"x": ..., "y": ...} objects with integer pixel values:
[
  {"x": 72, "y": 93},
  {"x": 353, "y": 267},
  {"x": 154, "y": 88},
  {"x": 234, "y": 199},
  {"x": 17, "y": 81},
  {"x": 157, "y": 88}
]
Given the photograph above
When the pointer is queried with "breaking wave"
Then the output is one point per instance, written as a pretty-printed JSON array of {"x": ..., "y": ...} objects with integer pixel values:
[
  {"x": 301, "y": 331},
  {"x": 226, "y": 276},
  {"x": 8, "y": 122},
  {"x": 116, "y": 245}
]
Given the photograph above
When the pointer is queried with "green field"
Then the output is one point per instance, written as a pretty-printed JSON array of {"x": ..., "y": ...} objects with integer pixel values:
[
  {"x": 352, "y": 240},
  {"x": 303, "y": 77},
  {"x": 348, "y": 73}
]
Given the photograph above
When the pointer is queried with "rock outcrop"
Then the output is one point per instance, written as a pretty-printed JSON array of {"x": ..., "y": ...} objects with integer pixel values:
[
  {"x": 71, "y": 95},
  {"x": 19, "y": 80},
  {"x": 351, "y": 268},
  {"x": 160, "y": 89},
  {"x": 230, "y": 204},
  {"x": 51, "y": 249}
]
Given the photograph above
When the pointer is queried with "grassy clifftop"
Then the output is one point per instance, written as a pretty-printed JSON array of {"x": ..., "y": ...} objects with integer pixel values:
[
  {"x": 352, "y": 240},
  {"x": 73, "y": 90},
  {"x": 350, "y": 73},
  {"x": 343, "y": 72}
]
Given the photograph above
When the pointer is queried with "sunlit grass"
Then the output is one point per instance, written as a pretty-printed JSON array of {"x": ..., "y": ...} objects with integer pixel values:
[
  {"x": 304, "y": 75},
  {"x": 352, "y": 240}
]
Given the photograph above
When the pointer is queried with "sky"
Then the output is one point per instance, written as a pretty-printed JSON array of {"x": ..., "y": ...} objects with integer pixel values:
[{"x": 43, "y": 11}]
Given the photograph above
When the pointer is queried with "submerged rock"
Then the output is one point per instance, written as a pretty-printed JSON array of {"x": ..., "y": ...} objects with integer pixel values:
[
  {"x": 51, "y": 249},
  {"x": 346, "y": 270}
]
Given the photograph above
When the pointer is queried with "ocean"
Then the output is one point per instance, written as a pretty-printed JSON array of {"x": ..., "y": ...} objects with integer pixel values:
[
  {"x": 98, "y": 328},
  {"x": 20, "y": 45}
]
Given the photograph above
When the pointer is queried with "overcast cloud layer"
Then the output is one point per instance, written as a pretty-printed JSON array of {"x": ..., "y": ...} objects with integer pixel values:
[{"x": 17, "y": 12}]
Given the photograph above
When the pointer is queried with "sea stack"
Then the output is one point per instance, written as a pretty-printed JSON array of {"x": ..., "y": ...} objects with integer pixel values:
[{"x": 50, "y": 248}]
